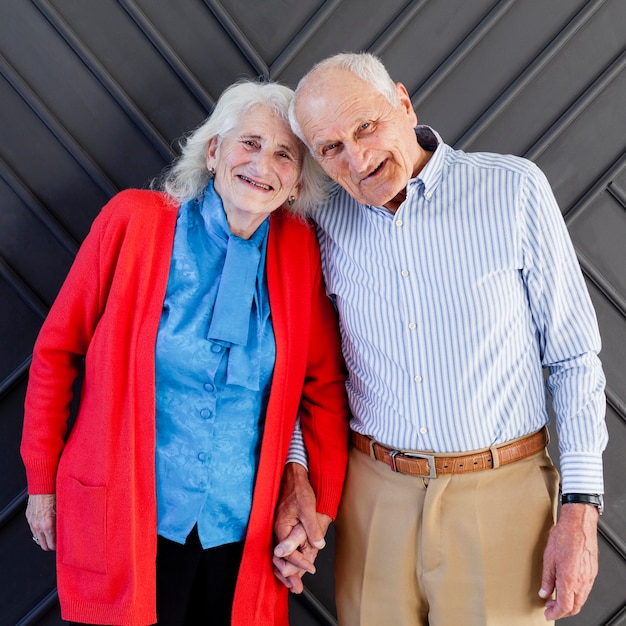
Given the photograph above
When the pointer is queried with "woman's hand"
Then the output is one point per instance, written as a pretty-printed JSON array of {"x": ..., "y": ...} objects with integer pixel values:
[{"x": 42, "y": 519}]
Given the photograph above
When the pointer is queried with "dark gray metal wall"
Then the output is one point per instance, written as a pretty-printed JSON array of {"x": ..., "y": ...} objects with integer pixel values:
[{"x": 93, "y": 94}]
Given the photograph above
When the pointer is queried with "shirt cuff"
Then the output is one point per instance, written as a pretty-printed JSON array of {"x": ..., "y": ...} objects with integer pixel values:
[
  {"x": 581, "y": 472},
  {"x": 297, "y": 451}
]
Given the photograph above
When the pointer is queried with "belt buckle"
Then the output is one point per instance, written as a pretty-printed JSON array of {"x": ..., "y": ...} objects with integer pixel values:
[{"x": 432, "y": 470}]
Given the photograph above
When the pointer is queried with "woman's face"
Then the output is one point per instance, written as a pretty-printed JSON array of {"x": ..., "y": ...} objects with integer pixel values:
[{"x": 257, "y": 166}]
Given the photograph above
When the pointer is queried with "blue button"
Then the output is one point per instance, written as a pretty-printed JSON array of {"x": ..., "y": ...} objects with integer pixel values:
[
  {"x": 202, "y": 456},
  {"x": 209, "y": 387},
  {"x": 216, "y": 348},
  {"x": 205, "y": 414}
]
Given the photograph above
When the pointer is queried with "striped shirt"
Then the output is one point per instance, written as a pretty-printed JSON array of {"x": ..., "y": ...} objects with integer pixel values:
[{"x": 451, "y": 309}]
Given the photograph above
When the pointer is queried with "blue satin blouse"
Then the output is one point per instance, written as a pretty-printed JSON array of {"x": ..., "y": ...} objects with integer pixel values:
[{"x": 215, "y": 354}]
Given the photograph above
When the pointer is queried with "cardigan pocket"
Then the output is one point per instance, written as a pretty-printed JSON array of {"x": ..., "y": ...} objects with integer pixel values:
[{"x": 82, "y": 528}]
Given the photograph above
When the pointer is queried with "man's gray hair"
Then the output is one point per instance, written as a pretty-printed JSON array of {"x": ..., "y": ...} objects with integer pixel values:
[
  {"x": 363, "y": 65},
  {"x": 188, "y": 176}
]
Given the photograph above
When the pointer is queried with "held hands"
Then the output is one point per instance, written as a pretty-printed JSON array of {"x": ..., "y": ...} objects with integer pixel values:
[
  {"x": 570, "y": 561},
  {"x": 42, "y": 519},
  {"x": 299, "y": 529}
]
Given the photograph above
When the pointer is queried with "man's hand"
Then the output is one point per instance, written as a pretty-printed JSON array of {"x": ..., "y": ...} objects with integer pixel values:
[
  {"x": 570, "y": 561},
  {"x": 42, "y": 519},
  {"x": 299, "y": 529}
]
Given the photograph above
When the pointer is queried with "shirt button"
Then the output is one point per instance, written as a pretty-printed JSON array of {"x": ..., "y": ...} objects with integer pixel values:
[
  {"x": 428, "y": 195},
  {"x": 216, "y": 348},
  {"x": 209, "y": 387},
  {"x": 404, "y": 273},
  {"x": 412, "y": 325},
  {"x": 417, "y": 379},
  {"x": 423, "y": 430},
  {"x": 205, "y": 414},
  {"x": 202, "y": 456},
  {"x": 399, "y": 223}
]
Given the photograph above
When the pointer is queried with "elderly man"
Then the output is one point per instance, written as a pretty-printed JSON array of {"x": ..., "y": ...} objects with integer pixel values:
[{"x": 456, "y": 285}]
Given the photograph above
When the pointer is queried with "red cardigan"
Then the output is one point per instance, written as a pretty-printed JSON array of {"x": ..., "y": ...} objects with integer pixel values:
[{"x": 108, "y": 312}]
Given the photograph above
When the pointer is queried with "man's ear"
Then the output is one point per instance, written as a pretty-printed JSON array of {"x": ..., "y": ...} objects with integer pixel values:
[{"x": 405, "y": 103}]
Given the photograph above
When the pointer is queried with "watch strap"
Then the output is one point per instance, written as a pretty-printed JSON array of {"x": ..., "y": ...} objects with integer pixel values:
[{"x": 595, "y": 499}]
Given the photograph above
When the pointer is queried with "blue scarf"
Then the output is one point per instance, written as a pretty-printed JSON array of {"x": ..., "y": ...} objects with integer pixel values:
[{"x": 240, "y": 312}]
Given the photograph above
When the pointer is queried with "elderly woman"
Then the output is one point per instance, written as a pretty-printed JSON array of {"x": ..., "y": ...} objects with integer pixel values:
[{"x": 201, "y": 319}]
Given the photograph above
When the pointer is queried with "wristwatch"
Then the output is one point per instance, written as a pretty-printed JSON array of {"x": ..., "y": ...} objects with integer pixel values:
[{"x": 595, "y": 499}]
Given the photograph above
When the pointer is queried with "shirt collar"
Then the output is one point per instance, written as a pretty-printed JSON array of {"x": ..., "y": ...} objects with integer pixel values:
[{"x": 431, "y": 174}]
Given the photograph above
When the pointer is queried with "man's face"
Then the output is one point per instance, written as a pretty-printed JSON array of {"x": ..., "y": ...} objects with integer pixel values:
[{"x": 361, "y": 141}]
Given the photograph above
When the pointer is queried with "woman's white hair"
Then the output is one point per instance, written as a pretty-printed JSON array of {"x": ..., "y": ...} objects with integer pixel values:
[
  {"x": 188, "y": 175},
  {"x": 363, "y": 65}
]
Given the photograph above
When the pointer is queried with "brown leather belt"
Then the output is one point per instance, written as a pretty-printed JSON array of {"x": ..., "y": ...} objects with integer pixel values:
[{"x": 431, "y": 465}]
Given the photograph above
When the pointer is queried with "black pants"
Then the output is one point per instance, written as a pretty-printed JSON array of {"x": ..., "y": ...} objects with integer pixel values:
[{"x": 195, "y": 587}]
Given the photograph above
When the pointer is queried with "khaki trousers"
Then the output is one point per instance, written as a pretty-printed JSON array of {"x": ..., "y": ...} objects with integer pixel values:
[{"x": 461, "y": 549}]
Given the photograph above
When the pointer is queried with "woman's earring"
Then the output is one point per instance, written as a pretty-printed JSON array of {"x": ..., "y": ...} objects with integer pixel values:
[
  {"x": 211, "y": 172},
  {"x": 291, "y": 200}
]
